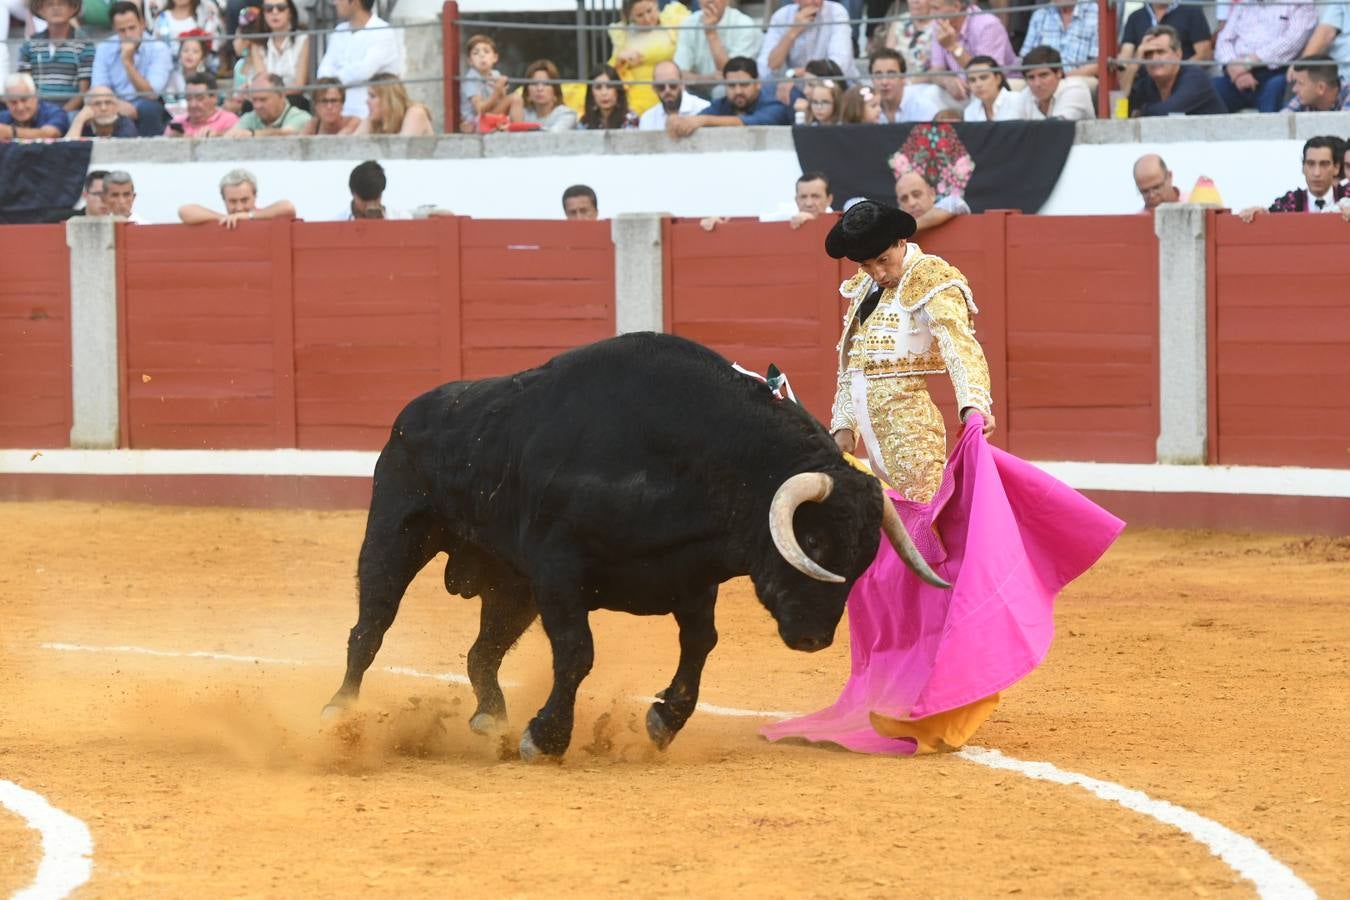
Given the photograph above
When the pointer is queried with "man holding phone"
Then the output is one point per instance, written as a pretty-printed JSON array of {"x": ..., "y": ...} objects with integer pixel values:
[{"x": 204, "y": 117}]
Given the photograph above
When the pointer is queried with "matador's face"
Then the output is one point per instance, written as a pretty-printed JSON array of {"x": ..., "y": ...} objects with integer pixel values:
[{"x": 887, "y": 268}]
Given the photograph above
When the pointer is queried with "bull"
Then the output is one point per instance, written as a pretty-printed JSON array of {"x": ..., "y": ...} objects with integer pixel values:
[{"x": 635, "y": 474}]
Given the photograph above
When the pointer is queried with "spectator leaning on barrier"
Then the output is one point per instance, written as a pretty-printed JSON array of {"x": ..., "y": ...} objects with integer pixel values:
[
  {"x": 1167, "y": 87},
  {"x": 61, "y": 57},
  {"x": 710, "y": 37},
  {"x": 1331, "y": 37},
  {"x": 99, "y": 117},
  {"x": 27, "y": 117},
  {"x": 204, "y": 117},
  {"x": 329, "y": 97},
  {"x": 540, "y": 99},
  {"x": 119, "y": 194},
  {"x": 482, "y": 90},
  {"x": 272, "y": 114},
  {"x": 239, "y": 190},
  {"x": 1255, "y": 46},
  {"x": 362, "y": 45},
  {"x": 606, "y": 102},
  {"x": 1324, "y": 191},
  {"x": 1317, "y": 86},
  {"x": 1069, "y": 27},
  {"x": 392, "y": 111},
  {"x": 1153, "y": 180},
  {"x": 743, "y": 105},
  {"x": 898, "y": 102},
  {"x": 675, "y": 100},
  {"x": 94, "y": 204},
  {"x": 916, "y": 196},
  {"x": 367, "y": 183},
  {"x": 1054, "y": 96},
  {"x": 813, "y": 198},
  {"x": 136, "y": 66},
  {"x": 579, "y": 202},
  {"x": 992, "y": 98},
  {"x": 966, "y": 32},
  {"x": 1188, "y": 21},
  {"x": 807, "y": 30}
]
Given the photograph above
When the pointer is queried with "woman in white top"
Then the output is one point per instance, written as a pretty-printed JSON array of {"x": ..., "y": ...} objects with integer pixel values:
[
  {"x": 992, "y": 100},
  {"x": 287, "y": 54}
]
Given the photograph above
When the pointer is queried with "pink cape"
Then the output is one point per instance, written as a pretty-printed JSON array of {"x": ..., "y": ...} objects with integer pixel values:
[{"x": 1011, "y": 537}]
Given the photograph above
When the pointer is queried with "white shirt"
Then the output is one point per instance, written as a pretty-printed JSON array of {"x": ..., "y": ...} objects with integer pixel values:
[
  {"x": 953, "y": 204},
  {"x": 915, "y": 106},
  {"x": 1330, "y": 206},
  {"x": 354, "y": 56},
  {"x": 1072, "y": 101},
  {"x": 828, "y": 37},
  {"x": 1008, "y": 106},
  {"x": 283, "y": 62},
  {"x": 654, "y": 119}
]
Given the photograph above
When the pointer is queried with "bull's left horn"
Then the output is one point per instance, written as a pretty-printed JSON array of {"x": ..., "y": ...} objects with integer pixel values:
[
  {"x": 904, "y": 545},
  {"x": 804, "y": 487}
]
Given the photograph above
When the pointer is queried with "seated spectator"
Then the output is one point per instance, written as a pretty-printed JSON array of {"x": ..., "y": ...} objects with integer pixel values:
[
  {"x": 239, "y": 190},
  {"x": 367, "y": 183},
  {"x": 1169, "y": 87},
  {"x": 898, "y": 101},
  {"x": 1189, "y": 22},
  {"x": 579, "y": 203},
  {"x": 1153, "y": 180},
  {"x": 1331, "y": 38},
  {"x": 93, "y": 195},
  {"x": 1070, "y": 28},
  {"x": 61, "y": 57},
  {"x": 119, "y": 195},
  {"x": 392, "y": 111},
  {"x": 1325, "y": 192},
  {"x": 25, "y": 116},
  {"x": 792, "y": 91},
  {"x": 965, "y": 33},
  {"x": 250, "y": 60},
  {"x": 272, "y": 114},
  {"x": 813, "y": 198},
  {"x": 992, "y": 98},
  {"x": 1317, "y": 86},
  {"x": 675, "y": 100},
  {"x": 360, "y": 47},
  {"x": 606, "y": 102},
  {"x": 329, "y": 97},
  {"x": 286, "y": 54},
  {"x": 743, "y": 105},
  {"x": 710, "y": 37},
  {"x": 824, "y": 103},
  {"x": 204, "y": 117},
  {"x": 191, "y": 61},
  {"x": 99, "y": 117},
  {"x": 174, "y": 18},
  {"x": 910, "y": 34},
  {"x": 860, "y": 106},
  {"x": 1256, "y": 34},
  {"x": 136, "y": 67},
  {"x": 916, "y": 196},
  {"x": 642, "y": 38},
  {"x": 1054, "y": 96},
  {"x": 540, "y": 100},
  {"x": 483, "y": 89},
  {"x": 807, "y": 30}
]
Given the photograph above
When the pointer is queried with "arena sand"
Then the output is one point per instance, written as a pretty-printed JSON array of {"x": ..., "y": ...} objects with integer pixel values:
[{"x": 1206, "y": 669}]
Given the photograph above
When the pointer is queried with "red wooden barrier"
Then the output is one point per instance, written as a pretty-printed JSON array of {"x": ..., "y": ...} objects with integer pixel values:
[
  {"x": 1280, "y": 329},
  {"x": 35, "y": 404}
]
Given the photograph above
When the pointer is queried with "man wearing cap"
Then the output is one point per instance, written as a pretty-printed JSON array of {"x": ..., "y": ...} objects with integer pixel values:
[{"x": 909, "y": 316}]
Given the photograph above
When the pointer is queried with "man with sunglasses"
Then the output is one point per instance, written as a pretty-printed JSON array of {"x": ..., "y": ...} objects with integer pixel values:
[{"x": 675, "y": 101}]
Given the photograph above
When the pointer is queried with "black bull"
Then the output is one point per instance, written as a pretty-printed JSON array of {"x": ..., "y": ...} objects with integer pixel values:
[{"x": 635, "y": 474}]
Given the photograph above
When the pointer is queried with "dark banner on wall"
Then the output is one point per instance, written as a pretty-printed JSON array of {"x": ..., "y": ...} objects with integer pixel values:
[
  {"x": 993, "y": 165},
  {"x": 40, "y": 181}
]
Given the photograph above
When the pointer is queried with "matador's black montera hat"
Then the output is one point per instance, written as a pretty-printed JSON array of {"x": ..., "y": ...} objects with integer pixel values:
[{"x": 867, "y": 230}]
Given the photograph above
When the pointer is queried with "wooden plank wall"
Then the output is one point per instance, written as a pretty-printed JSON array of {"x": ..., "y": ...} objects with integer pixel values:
[
  {"x": 1280, "y": 329},
  {"x": 35, "y": 403}
]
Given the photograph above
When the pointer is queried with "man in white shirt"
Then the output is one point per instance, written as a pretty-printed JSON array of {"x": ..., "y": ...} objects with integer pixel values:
[
  {"x": 710, "y": 37},
  {"x": 807, "y": 30},
  {"x": 675, "y": 101},
  {"x": 900, "y": 102},
  {"x": 1052, "y": 95},
  {"x": 362, "y": 46}
]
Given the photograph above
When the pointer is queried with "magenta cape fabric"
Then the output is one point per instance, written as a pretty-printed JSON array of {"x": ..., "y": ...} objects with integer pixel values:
[{"x": 1011, "y": 537}]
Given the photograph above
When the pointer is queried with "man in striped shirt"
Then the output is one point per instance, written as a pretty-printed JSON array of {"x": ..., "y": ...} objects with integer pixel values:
[{"x": 60, "y": 59}]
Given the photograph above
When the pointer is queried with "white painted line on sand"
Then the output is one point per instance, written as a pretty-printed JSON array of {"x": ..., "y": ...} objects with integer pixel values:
[{"x": 67, "y": 846}]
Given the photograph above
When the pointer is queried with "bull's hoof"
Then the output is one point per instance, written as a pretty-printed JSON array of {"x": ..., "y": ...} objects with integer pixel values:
[
  {"x": 657, "y": 729},
  {"x": 486, "y": 724},
  {"x": 530, "y": 752},
  {"x": 331, "y": 713}
]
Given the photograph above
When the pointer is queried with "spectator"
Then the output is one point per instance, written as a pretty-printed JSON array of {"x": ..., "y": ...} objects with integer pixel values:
[
  {"x": 94, "y": 204},
  {"x": 177, "y": 17},
  {"x": 1069, "y": 27},
  {"x": 710, "y": 37},
  {"x": 99, "y": 117},
  {"x": 793, "y": 92},
  {"x": 1053, "y": 96},
  {"x": 898, "y": 102},
  {"x": 807, "y": 30},
  {"x": 191, "y": 61},
  {"x": 119, "y": 195},
  {"x": 136, "y": 67},
  {"x": 993, "y": 99},
  {"x": 1325, "y": 192},
  {"x": 286, "y": 54},
  {"x": 329, "y": 96},
  {"x": 251, "y": 52},
  {"x": 675, "y": 100},
  {"x": 606, "y": 102},
  {"x": 367, "y": 183},
  {"x": 483, "y": 89},
  {"x": 1256, "y": 36},
  {"x": 272, "y": 114},
  {"x": 1317, "y": 86},
  {"x": 1170, "y": 87},
  {"x": 744, "y": 103},
  {"x": 204, "y": 117},
  {"x": 25, "y": 116},
  {"x": 1189, "y": 22},
  {"x": 61, "y": 57},
  {"x": 362, "y": 45},
  {"x": 813, "y": 198},
  {"x": 916, "y": 196},
  {"x": 640, "y": 42},
  {"x": 911, "y": 35},
  {"x": 824, "y": 103},
  {"x": 392, "y": 111},
  {"x": 239, "y": 190},
  {"x": 579, "y": 203},
  {"x": 860, "y": 106},
  {"x": 1153, "y": 180},
  {"x": 1329, "y": 38},
  {"x": 541, "y": 99},
  {"x": 965, "y": 33}
]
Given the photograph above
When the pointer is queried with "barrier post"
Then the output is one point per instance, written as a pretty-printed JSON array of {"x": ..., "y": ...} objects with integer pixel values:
[
  {"x": 450, "y": 69},
  {"x": 1183, "y": 342},
  {"x": 1106, "y": 48}
]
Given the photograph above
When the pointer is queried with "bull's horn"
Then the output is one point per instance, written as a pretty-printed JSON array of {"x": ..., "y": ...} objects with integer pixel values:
[
  {"x": 904, "y": 545},
  {"x": 801, "y": 488}
]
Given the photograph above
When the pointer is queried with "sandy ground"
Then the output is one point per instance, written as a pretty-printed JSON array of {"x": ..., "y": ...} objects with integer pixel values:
[{"x": 1206, "y": 669}]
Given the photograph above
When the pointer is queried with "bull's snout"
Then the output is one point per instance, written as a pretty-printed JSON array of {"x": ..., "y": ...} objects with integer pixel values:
[{"x": 808, "y": 643}]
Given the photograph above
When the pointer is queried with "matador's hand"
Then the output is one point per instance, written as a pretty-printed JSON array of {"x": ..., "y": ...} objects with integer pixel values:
[{"x": 989, "y": 423}]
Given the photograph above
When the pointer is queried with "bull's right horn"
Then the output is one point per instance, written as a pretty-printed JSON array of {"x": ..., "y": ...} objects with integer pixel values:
[
  {"x": 899, "y": 537},
  {"x": 804, "y": 487}
]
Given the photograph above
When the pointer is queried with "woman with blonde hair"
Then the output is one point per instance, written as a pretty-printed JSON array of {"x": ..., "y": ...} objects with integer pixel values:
[
  {"x": 642, "y": 38},
  {"x": 392, "y": 111}
]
